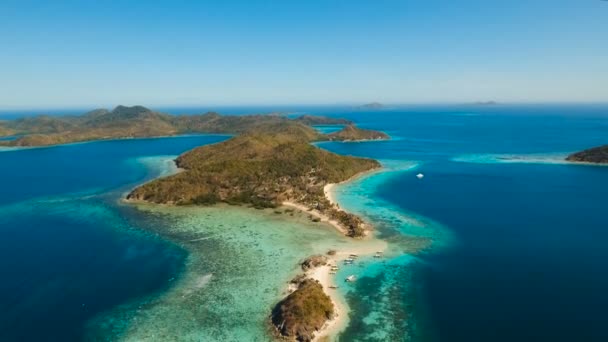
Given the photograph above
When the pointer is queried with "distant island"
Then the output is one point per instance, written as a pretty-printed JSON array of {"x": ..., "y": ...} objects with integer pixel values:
[
  {"x": 137, "y": 122},
  {"x": 353, "y": 133},
  {"x": 596, "y": 155},
  {"x": 312, "y": 120},
  {"x": 372, "y": 105},
  {"x": 485, "y": 103}
]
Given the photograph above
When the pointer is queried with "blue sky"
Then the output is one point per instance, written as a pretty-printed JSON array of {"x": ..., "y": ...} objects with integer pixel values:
[{"x": 102, "y": 53}]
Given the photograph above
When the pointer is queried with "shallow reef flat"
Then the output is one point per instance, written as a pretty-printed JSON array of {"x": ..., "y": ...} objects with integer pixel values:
[
  {"x": 239, "y": 264},
  {"x": 544, "y": 158},
  {"x": 241, "y": 259},
  {"x": 383, "y": 299}
]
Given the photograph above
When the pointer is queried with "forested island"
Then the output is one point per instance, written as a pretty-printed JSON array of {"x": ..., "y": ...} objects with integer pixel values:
[
  {"x": 354, "y": 133},
  {"x": 264, "y": 167},
  {"x": 270, "y": 162},
  {"x": 137, "y": 122},
  {"x": 303, "y": 312},
  {"x": 596, "y": 155}
]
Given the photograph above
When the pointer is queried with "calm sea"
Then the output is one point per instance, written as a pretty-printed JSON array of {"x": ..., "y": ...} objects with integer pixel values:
[{"x": 527, "y": 259}]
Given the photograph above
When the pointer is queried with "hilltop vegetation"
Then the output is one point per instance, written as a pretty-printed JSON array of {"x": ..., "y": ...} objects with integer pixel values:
[
  {"x": 597, "y": 155},
  {"x": 262, "y": 168},
  {"x": 303, "y": 312},
  {"x": 269, "y": 162},
  {"x": 5, "y": 131},
  {"x": 312, "y": 120},
  {"x": 136, "y": 122},
  {"x": 353, "y": 133}
]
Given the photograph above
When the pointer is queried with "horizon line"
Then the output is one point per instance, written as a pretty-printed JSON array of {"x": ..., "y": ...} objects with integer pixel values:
[{"x": 387, "y": 105}]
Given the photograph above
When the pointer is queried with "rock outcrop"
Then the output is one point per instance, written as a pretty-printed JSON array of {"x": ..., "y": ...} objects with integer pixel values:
[
  {"x": 304, "y": 312},
  {"x": 596, "y": 155}
]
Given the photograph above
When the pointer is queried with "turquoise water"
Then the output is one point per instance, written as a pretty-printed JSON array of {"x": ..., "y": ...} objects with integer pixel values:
[
  {"x": 525, "y": 255},
  {"x": 500, "y": 241}
]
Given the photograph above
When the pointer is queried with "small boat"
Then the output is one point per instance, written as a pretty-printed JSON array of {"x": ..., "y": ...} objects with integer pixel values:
[
  {"x": 348, "y": 261},
  {"x": 333, "y": 287},
  {"x": 334, "y": 268},
  {"x": 378, "y": 255},
  {"x": 353, "y": 256},
  {"x": 333, "y": 272},
  {"x": 351, "y": 278},
  {"x": 420, "y": 176}
]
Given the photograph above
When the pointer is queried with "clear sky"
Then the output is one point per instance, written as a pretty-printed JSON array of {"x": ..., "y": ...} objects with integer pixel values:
[{"x": 102, "y": 53}]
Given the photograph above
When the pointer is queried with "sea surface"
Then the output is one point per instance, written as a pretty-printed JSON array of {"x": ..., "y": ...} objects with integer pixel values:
[{"x": 500, "y": 241}]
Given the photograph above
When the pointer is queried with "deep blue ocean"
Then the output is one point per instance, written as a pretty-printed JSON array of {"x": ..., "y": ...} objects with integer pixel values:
[
  {"x": 67, "y": 252},
  {"x": 528, "y": 260}
]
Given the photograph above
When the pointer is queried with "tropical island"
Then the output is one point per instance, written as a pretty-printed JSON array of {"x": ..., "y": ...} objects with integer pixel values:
[
  {"x": 136, "y": 122},
  {"x": 269, "y": 166},
  {"x": 353, "y": 133},
  {"x": 371, "y": 105},
  {"x": 304, "y": 311},
  {"x": 270, "y": 162},
  {"x": 595, "y": 155}
]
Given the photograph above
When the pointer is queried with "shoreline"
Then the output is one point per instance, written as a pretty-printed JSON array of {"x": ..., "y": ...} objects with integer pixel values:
[
  {"x": 330, "y": 196},
  {"x": 7, "y": 148},
  {"x": 322, "y": 274},
  {"x": 366, "y": 246}
]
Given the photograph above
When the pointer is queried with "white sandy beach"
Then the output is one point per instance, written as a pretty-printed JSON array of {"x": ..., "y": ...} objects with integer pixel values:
[
  {"x": 324, "y": 218},
  {"x": 366, "y": 247}
]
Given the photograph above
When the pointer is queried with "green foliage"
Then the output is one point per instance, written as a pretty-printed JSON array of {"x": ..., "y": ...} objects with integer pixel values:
[
  {"x": 138, "y": 121},
  {"x": 303, "y": 312},
  {"x": 262, "y": 168},
  {"x": 353, "y": 133},
  {"x": 597, "y": 155},
  {"x": 311, "y": 120}
]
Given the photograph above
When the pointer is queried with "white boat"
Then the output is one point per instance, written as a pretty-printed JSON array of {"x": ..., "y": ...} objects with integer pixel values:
[
  {"x": 351, "y": 278},
  {"x": 420, "y": 176}
]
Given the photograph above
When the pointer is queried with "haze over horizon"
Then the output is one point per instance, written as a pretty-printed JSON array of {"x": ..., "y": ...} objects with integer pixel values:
[{"x": 190, "y": 53}]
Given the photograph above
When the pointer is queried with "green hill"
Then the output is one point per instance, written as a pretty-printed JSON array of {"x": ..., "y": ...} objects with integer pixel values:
[
  {"x": 264, "y": 167},
  {"x": 353, "y": 133},
  {"x": 303, "y": 312},
  {"x": 139, "y": 121},
  {"x": 597, "y": 155}
]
